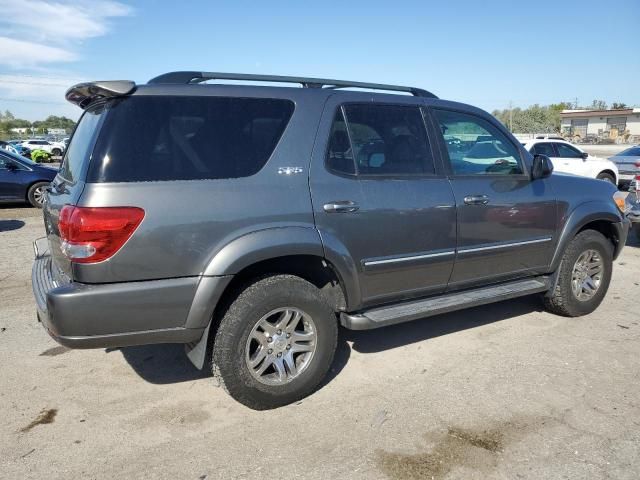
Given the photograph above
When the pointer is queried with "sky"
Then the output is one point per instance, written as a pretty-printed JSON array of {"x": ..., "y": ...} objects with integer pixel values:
[{"x": 487, "y": 53}]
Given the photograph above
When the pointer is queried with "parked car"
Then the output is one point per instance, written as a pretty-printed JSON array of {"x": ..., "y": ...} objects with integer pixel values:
[
  {"x": 7, "y": 147},
  {"x": 248, "y": 222},
  {"x": 568, "y": 158},
  {"x": 23, "y": 151},
  {"x": 23, "y": 180},
  {"x": 54, "y": 148},
  {"x": 628, "y": 163}
]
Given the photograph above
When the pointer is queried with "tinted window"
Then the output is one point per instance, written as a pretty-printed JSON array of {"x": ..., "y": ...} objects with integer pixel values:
[
  {"x": 567, "y": 151},
  {"x": 630, "y": 152},
  {"x": 543, "y": 149},
  {"x": 339, "y": 155},
  {"x": 148, "y": 138},
  {"x": 78, "y": 152},
  {"x": 389, "y": 140},
  {"x": 476, "y": 147},
  {"x": 7, "y": 158}
]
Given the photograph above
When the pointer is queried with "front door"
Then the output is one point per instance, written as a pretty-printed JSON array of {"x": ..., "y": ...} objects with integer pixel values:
[
  {"x": 506, "y": 222},
  {"x": 380, "y": 201},
  {"x": 569, "y": 159},
  {"x": 11, "y": 179}
]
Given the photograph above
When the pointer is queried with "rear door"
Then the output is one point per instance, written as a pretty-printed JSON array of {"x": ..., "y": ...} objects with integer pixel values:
[
  {"x": 506, "y": 221},
  {"x": 68, "y": 185},
  {"x": 379, "y": 198}
]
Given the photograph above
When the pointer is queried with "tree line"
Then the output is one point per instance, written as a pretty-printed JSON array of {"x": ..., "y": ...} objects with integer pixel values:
[
  {"x": 545, "y": 118},
  {"x": 39, "y": 127}
]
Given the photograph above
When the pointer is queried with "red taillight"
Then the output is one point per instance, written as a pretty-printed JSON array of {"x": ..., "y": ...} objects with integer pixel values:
[{"x": 93, "y": 234}]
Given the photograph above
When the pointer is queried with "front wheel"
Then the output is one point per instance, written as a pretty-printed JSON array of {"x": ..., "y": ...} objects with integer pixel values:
[
  {"x": 56, "y": 152},
  {"x": 584, "y": 276},
  {"x": 275, "y": 343}
]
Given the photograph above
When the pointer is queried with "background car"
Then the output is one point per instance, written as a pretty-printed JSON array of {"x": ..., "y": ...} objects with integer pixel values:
[
  {"x": 568, "y": 158},
  {"x": 628, "y": 163},
  {"x": 54, "y": 148},
  {"x": 23, "y": 180}
]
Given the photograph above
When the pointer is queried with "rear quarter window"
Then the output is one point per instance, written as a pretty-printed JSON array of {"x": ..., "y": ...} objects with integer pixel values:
[
  {"x": 79, "y": 149},
  {"x": 153, "y": 138}
]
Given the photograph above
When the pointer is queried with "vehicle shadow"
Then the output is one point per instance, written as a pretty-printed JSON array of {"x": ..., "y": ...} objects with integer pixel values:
[
  {"x": 9, "y": 225},
  {"x": 167, "y": 363},
  {"x": 633, "y": 240}
]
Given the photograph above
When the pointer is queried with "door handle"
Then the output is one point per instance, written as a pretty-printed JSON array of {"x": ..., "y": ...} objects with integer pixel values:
[
  {"x": 341, "y": 206},
  {"x": 476, "y": 200}
]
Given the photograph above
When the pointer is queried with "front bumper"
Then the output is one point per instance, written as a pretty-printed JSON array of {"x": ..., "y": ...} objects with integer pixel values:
[{"x": 80, "y": 315}]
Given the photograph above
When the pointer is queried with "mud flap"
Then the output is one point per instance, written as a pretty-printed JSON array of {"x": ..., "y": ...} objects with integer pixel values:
[{"x": 197, "y": 351}]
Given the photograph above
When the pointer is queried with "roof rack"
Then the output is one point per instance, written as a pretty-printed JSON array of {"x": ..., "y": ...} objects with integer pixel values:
[{"x": 199, "y": 77}]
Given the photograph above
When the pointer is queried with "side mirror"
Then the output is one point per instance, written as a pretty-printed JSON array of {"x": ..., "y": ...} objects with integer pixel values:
[
  {"x": 585, "y": 155},
  {"x": 542, "y": 167}
]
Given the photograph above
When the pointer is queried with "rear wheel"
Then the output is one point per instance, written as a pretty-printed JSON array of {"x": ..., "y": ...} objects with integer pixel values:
[
  {"x": 584, "y": 276},
  {"x": 275, "y": 343},
  {"x": 56, "y": 152},
  {"x": 36, "y": 192},
  {"x": 606, "y": 177}
]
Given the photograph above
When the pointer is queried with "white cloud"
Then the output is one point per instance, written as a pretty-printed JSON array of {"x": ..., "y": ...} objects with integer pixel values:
[
  {"x": 21, "y": 53},
  {"x": 42, "y": 31}
]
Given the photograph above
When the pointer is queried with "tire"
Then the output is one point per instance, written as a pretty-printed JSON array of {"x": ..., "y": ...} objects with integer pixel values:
[
  {"x": 56, "y": 152},
  {"x": 35, "y": 195},
  {"x": 563, "y": 300},
  {"x": 235, "y": 346},
  {"x": 606, "y": 177}
]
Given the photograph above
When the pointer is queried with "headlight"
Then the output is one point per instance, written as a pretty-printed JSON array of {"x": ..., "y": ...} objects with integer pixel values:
[{"x": 619, "y": 200}]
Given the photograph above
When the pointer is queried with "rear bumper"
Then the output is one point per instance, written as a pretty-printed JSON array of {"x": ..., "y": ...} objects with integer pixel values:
[{"x": 115, "y": 315}]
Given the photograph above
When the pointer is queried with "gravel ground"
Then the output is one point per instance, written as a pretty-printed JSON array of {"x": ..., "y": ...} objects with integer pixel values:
[{"x": 503, "y": 391}]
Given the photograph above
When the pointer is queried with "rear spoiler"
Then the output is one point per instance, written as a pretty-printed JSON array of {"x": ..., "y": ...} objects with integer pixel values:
[{"x": 84, "y": 94}]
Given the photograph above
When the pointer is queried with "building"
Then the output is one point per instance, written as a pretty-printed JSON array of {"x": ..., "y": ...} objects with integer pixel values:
[
  {"x": 56, "y": 131},
  {"x": 20, "y": 131},
  {"x": 622, "y": 126}
]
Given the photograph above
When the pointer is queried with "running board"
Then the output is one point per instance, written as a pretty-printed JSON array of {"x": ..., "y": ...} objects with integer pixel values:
[{"x": 413, "y": 310}]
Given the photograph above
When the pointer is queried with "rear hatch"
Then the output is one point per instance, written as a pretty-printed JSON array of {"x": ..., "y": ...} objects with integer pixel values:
[{"x": 68, "y": 185}]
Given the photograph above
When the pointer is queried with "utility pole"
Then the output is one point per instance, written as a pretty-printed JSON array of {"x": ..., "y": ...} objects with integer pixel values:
[{"x": 510, "y": 116}]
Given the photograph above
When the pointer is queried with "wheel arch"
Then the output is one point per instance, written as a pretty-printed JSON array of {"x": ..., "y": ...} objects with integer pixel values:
[{"x": 600, "y": 216}]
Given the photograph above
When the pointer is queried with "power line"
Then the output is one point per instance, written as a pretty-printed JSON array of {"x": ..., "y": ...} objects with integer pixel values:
[{"x": 24, "y": 100}]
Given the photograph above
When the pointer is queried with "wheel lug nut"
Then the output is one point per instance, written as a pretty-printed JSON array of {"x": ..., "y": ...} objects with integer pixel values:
[
  {"x": 279, "y": 354},
  {"x": 288, "y": 335},
  {"x": 279, "y": 332},
  {"x": 269, "y": 339},
  {"x": 288, "y": 347},
  {"x": 269, "y": 351}
]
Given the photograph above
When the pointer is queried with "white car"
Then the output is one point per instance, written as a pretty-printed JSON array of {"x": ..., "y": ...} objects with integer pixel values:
[
  {"x": 54, "y": 148},
  {"x": 568, "y": 158}
]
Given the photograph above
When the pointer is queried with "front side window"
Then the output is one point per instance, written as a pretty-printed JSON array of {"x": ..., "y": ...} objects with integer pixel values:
[
  {"x": 543, "y": 149},
  {"x": 476, "y": 147},
  {"x": 567, "y": 151},
  {"x": 388, "y": 140}
]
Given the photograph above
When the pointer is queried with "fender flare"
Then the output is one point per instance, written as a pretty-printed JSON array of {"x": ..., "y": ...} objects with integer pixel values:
[
  {"x": 255, "y": 247},
  {"x": 579, "y": 217}
]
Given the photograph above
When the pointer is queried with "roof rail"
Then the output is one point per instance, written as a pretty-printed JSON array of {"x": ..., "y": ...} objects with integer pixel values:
[{"x": 199, "y": 77}]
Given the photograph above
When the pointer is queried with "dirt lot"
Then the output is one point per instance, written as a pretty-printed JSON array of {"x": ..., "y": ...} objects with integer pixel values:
[{"x": 504, "y": 391}]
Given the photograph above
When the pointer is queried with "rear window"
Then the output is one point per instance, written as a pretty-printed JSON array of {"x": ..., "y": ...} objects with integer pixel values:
[
  {"x": 81, "y": 141},
  {"x": 151, "y": 138}
]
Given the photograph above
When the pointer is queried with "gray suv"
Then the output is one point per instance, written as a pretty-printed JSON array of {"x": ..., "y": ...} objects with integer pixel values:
[{"x": 248, "y": 222}]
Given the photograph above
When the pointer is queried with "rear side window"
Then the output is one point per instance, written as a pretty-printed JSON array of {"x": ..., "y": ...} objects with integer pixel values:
[
  {"x": 79, "y": 147},
  {"x": 389, "y": 140},
  {"x": 151, "y": 138}
]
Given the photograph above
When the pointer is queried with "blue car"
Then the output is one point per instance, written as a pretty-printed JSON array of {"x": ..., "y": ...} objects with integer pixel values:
[{"x": 22, "y": 180}]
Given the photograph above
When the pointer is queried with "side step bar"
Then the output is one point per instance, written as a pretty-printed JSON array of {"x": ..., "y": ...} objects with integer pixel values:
[{"x": 413, "y": 310}]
